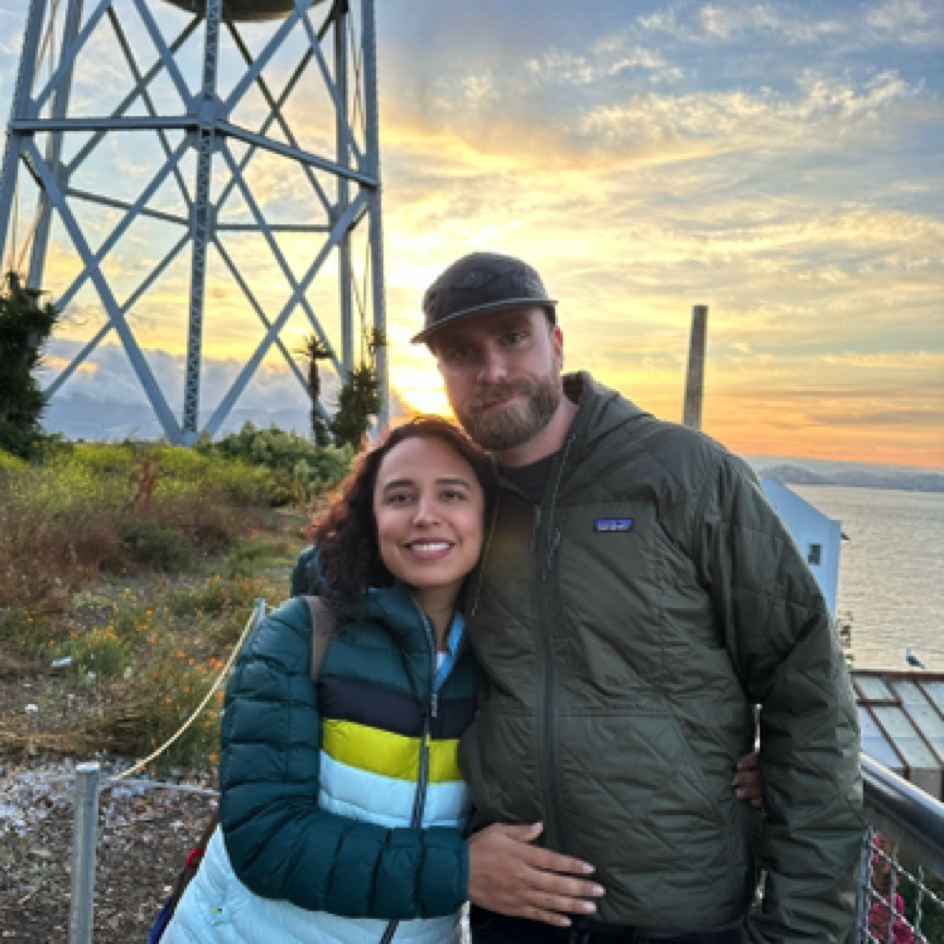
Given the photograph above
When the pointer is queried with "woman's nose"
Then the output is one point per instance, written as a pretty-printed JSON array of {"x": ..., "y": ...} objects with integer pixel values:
[{"x": 426, "y": 512}]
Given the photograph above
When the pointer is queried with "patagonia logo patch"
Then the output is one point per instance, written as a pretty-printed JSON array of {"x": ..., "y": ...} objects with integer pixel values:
[{"x": 613, "y": 524}]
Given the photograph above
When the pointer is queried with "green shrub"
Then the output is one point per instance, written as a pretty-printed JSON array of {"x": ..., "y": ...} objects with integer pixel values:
[
  {"x": 99, "y": 652},
  {"x": 218, "y": 595},
  {"x": 103, "y": 459},
  {"x": 242, "y": 560},
  {"x": 302, "y": 470},
  {"x": 10, "y": 463},
  {"x": 155, "y": 544},
  {"x": 170, "y": 696}
]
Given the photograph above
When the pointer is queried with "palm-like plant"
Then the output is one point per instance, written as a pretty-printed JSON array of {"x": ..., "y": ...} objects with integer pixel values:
[{"x": 314, "y": 350}]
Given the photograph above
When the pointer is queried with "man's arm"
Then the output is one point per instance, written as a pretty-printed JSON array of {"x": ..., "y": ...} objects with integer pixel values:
[{"x": 781, "y": 640}]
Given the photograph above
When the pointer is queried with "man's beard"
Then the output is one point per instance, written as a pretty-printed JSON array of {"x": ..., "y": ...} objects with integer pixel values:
[{"x": 500, "y": 430}]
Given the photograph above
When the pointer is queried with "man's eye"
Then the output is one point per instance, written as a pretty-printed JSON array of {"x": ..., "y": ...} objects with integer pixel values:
[
  {"x": 458, "y": 354},
  {"x": 515, "y": 337}
]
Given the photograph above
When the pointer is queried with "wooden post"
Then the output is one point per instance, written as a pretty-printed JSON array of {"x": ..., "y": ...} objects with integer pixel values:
[{"x": 695, "y": 383}]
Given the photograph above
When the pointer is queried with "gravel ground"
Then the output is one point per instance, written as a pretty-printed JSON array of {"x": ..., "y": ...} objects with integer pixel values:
[{"x": 145, "y": 832}]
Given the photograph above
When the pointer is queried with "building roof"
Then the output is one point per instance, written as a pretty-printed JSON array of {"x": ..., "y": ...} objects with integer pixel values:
[{"x": 902, "y": 720}]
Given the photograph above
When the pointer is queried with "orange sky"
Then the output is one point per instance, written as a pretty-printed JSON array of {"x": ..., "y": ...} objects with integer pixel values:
[{"x": 778, "y": 164}]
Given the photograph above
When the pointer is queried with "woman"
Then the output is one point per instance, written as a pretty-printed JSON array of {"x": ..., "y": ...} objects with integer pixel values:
[{"x": 342, "y": 811}]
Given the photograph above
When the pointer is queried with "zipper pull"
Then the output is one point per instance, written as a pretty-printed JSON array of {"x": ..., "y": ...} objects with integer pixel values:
[
  {"x": 550, "y": 557},
  {"x": 434, "y": 704},
  {"x": 534, "y": 530}
]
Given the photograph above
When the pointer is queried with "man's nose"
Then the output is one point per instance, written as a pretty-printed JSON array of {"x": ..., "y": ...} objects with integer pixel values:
[{"x": 492, "y": 368}]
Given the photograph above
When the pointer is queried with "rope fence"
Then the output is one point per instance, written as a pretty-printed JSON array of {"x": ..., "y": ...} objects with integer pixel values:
[{"x": 88, "y": 784}]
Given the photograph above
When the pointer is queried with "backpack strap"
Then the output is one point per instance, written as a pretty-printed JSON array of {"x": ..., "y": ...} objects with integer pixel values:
[{"x": 323, "y": 627}]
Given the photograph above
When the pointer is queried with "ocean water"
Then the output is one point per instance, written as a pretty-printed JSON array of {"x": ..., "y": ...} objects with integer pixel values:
[{"x": 891, "y": 576}]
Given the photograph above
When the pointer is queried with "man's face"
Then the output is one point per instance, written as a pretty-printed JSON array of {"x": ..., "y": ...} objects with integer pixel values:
[{"x": 502, "y": 374}]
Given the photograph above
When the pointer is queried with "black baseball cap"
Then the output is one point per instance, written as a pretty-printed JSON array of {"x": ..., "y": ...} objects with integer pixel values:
[{"x": 479, "y": 283}]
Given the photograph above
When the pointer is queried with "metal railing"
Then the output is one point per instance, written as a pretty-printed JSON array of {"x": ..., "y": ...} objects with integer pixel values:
[{"x": 901, "y": 890}]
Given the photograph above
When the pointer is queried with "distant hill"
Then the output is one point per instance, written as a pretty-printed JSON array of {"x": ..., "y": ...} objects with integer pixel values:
[
  {"x": 108, "y": 420},
  {"x": 854, "y": 475},
  {"x": 794, "y": 475},
  {"x": 94, "y": 420}
]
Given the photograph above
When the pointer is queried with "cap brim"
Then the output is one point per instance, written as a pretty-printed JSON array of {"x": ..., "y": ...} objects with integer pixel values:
[{"x": 430, "y": 330}]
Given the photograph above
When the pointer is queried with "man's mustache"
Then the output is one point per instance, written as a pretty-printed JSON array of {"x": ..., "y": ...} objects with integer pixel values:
[{"x": 495, "y": 393}]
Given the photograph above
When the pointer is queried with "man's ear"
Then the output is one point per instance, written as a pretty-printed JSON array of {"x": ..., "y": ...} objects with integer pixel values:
[{"x": 557, "y": 340}]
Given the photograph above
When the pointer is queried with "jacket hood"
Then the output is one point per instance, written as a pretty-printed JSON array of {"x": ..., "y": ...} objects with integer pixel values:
[{"x": 602, "y": 411}]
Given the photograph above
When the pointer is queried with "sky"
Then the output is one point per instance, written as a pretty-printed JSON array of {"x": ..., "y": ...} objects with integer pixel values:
[{"x": 778, "y": 162}]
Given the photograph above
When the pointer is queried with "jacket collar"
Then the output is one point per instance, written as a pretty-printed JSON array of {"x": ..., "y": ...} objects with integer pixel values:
[{"x": 601, "y": 410}]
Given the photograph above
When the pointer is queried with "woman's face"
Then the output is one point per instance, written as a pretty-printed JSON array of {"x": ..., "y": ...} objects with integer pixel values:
[{"x": 429, "y": 509}]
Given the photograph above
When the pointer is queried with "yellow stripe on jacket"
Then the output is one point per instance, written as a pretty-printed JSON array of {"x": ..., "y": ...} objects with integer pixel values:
[{"x": 388, "y": 754}]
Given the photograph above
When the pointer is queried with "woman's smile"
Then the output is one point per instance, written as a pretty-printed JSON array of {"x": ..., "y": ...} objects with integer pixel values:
[{"x": 429, "y": 550}]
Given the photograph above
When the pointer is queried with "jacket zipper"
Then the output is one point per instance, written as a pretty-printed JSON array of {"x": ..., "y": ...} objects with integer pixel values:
[
  {"x": 553, "y": 828},
  {"x": 422, "y": 779},
  {"x": 544, "y": 563}
]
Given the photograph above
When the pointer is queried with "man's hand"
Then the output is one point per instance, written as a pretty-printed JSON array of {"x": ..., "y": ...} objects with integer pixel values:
[
  {"x": 747, "y": 781},
  {"x": 512, "y": 877}
]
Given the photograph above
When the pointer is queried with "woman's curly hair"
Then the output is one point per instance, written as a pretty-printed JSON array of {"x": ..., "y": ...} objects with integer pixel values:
[{"x": 346, "y": 533}]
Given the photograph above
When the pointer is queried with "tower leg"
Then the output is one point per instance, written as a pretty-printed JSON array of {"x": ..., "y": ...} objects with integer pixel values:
[
  {"x": 375, "y": 232},
  {"x": 60, "y": 104},
  {"x": 21, "y": 100},
  {"x": 202, "y": 224},
  {"x": 344, "y": 190}
]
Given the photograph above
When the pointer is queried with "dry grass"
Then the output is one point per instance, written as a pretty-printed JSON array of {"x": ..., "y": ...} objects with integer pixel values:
[{"x": 138, "y": 600}]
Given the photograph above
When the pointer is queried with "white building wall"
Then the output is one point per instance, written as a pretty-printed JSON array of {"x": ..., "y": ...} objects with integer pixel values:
[{"x": 818, "y": 537}]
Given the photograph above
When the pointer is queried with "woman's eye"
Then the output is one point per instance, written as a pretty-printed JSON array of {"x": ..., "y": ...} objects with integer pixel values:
[
  {"x": 398, "y": 498},
  {"x": 452, "y": 496}
]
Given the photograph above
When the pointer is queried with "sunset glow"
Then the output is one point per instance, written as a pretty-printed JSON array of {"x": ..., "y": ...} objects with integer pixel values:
[{"x": 778, "y": 162}]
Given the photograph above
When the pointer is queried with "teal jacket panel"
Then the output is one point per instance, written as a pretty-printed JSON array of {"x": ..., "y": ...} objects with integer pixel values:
[{"x": 282, "y": 844}]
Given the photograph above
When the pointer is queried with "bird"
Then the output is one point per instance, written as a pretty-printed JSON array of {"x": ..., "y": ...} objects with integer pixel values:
[{"x": 912, "y": 659}]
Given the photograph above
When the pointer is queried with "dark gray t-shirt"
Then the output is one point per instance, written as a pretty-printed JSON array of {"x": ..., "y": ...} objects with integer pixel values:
[{"x": 531, "y": 478}]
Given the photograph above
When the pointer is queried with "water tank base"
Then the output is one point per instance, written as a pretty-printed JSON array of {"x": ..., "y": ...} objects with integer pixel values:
[{"x": 241, "y": 10}]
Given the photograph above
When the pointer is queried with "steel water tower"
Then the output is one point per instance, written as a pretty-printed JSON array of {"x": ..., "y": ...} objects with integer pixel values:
[{"x": 249, "y": 129}]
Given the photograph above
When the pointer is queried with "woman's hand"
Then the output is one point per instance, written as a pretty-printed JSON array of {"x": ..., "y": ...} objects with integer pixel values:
[
  {"x": 510, "y": 876},
  {"x": 747, "y": 782}
]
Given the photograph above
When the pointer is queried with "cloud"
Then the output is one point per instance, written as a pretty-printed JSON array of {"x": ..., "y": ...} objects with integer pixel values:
[
  {"x": 908, "y": 22},
  {"x": 776, "y": 161},
  {"x": 914, "y": 22},
  {"x": 108, "y": 375}
]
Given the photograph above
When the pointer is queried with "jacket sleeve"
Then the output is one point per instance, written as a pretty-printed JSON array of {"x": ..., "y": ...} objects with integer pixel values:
[
  {"x": 280, "y": 843},
  {"x": 786, "y": 652}
]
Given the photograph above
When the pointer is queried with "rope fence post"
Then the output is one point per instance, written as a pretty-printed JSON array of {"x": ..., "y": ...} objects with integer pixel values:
[{"x": 84, "y": 841}]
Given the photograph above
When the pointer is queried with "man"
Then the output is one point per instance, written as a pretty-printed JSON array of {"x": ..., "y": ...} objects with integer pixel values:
[{"x": 637, "y": 596}]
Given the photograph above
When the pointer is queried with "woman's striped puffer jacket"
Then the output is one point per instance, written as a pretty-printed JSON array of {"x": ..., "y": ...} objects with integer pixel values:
[{"x": 345, "y": 809}]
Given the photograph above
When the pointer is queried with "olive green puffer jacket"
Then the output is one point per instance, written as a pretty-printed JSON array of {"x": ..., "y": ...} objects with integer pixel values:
[{"x": 626, "y": 627}]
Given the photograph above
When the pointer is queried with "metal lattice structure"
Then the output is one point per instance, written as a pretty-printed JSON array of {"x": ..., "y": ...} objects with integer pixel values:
[{"x": 335, "y": 41}]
